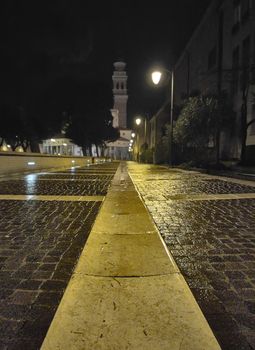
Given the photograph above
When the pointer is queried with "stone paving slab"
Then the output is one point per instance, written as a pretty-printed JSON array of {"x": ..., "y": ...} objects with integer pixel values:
[
  {"x": 105, "y": 256},
  {"x": 128, "y": 313},
  {"x": 125, "y": 292},
  {"x": 213, "y": 244}
]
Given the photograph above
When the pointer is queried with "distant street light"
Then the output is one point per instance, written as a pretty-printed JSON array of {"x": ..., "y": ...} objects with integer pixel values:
[
  {"x": 138, "y": 122},
  {"x": 156, "y": 77}
]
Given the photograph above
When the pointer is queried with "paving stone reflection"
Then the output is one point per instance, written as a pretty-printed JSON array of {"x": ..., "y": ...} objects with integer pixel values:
[
  {"x": 213, "y": 244},
  {"x": 98, "y": 177},
  {"x": 40, "y": 243},
  {"x": 49, "y": 187},
  {"x": 167, "y": 188}
]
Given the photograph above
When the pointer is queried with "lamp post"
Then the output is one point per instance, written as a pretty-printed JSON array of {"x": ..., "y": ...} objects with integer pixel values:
[
  {"x": 156, "y": 77},
  {"x": 138, "y": 122}
]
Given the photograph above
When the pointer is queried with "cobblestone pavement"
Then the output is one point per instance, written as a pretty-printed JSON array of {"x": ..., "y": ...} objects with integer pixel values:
[
  {"x": 40, "y": 243},
  {"x": 98, "y": 177},
  {"x": 212, "y": 242},
  {"x": 55, "y": 188}
]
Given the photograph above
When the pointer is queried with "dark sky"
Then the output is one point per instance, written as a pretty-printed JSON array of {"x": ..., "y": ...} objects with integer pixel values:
[{"x": 47, "y": 40}]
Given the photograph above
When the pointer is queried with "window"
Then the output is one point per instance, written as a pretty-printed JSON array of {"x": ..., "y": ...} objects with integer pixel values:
[
  {"x": 245, "y": 62},
  {"x": 237, "y": 12},
  {"x": 245, "y": 11},
  {"x": 212, "y": 58},
  {"x": 235, "y": 69},
  {"x": 252, "y": 126},
  {"x": 246, "y": 52},
  {"x": 237, "y": 16}
]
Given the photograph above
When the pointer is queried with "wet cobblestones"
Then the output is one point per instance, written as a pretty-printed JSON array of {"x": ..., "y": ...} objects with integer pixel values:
[
  {"x": 87, "y": 177},
  {"x": 40, "y": 243},
  {"x": 213, "y": 244},
  {"x": 186, "y": 185},
  {"x": 56, "y": 188}
]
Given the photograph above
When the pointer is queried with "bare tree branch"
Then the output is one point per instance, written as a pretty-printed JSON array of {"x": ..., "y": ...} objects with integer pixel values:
[{"x": 250, "y": 122}]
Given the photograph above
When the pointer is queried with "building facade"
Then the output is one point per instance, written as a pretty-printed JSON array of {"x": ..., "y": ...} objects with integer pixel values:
[
  {"x": 119, "y": 148},
  {"x": 60, "y": 145},
  {"x": 157, "y": 131},
  {"x": 220, "y": 57},
  {"x": 120, "y": 96}
]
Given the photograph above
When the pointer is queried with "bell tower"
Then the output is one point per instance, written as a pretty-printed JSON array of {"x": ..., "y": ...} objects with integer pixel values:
[{"x": 119, "y": 111}]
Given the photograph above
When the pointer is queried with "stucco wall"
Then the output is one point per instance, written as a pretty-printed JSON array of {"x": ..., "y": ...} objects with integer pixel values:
[{"x": 16, "y": 162}]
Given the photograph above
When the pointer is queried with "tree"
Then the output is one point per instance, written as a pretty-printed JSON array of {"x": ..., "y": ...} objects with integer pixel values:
[
  {"x": 246, "y": 83},
  {"x": 90, "y": 121},
  {"x": 11, "y": 125},
  {"x": 92, "y": 128},
  {"x": 198, "y": 121}
]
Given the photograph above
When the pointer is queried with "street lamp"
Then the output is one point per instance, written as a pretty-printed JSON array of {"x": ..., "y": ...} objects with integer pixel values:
[
  {"x": 156, "y": 77},
  {"x": 138, "y": 122}
]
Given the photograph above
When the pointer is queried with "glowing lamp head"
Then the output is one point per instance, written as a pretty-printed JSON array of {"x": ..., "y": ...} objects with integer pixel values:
[
  {"x": 133, "y": 134},
  {"x": 156, "y": 76},
  {"x": 138, "y": 121}
]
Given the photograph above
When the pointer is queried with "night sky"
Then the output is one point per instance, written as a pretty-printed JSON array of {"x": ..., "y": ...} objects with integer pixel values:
[{"x": 46, "y": 41}]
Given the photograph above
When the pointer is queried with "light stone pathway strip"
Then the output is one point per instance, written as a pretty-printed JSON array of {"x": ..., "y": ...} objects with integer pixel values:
[
  {"x": 125, "y": 292},
  {"x": 212, "y": 240}
]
